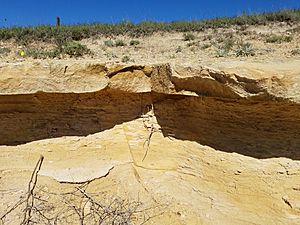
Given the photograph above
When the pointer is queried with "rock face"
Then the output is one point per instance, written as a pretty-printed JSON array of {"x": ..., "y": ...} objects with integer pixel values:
[{"x": 206, "y": 144}]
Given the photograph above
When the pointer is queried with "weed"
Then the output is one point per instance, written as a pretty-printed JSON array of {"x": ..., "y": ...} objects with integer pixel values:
[
  {"x": 134, "y": 42},
  {"x": 75, "y": 49},
  {"x": 207, "y": 37},
  {"x": 38, "y": 53},
  {"x": 178, "y": 49},
  {"x": 4, "y": 51},
  {"x": 193, "y": 43},
  {"x": 120, "y": 43},
  {"x": 295, "y": 51},
  {"x": 245, "y": 49},
  {"x": 228, "y": 44},
  {"x": 224, "y": 49},
  {"x": 222, "y": 52},
  {"x": 125, "y": 59},
  {"x": 193, "y": 49},
  {"x": 109, "y": 43},
  {"x": 205, "y": 46},
  {"x": 189, "y": 37},
  {"x": 278, "y": 39}
]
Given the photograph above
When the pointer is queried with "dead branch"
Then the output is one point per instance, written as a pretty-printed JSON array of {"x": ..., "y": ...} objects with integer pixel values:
[
  {"x": 30, "y": 193},
  {"x": 151, "y": 131},
  {"x": 20, "y": 202}
]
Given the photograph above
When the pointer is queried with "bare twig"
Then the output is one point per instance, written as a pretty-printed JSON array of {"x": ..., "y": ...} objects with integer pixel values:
[
  {"x": 78, "y": 206},
  {"x": 151, "y": 131},
  {"x": 30, "y": 193},
  {"x": 20, "y": 202}
]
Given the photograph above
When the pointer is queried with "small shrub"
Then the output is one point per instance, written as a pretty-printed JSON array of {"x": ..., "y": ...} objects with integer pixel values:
[
  {"x": 189, "y": 37},
  {"x": 120, "y": 43},
  {"x": 109, "y": 43},
  {"x": 178, "y": 49},
  {"x": 220, "y": 39},
  {"x": 134, "y": 42},
  {"x": 4, "y": 51},
  {"x": 278, "y": 39},
  {"x": 193, "y": 49},
  {"x": 193, "y": 43},
  {"x": 224, "y": 49},
  {"x": 295, "y": 51},
  {"x": 222, "y": 52},
  {"x": 229, "y": 43},
  {"x": 205, "y": 46},
  {"x": 245, "y": 49},
  {"x": 207, "y": 37},
  {"x": 125, "y": 59},
  {"x": 37, "y": 53},
  {"x": 75, "y": 49}
]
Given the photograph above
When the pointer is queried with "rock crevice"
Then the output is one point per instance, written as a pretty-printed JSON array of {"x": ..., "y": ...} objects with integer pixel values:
[{"x": 225, "y": 111}]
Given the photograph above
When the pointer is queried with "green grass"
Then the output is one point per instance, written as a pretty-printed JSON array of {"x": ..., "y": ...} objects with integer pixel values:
[
  {"x": 109, "y": 43},
  {"x": 119, "y": 43},
  {"x": 278, "y": 39},
  {"x": 245, "y": 49},
  {"x": 189, "y": 37},
  {"x": 62, "y": 34},
  {"x": 72, "y": 49},
  {"x": 134, "y": 42},
  {"x": 295, "y": 51},
  {"x": 4, "y": 51},
  {"x": 125, "y": 59}
]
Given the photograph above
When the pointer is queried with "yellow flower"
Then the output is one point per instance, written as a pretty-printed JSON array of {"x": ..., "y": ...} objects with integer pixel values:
[{"x": 22, "y": 53}]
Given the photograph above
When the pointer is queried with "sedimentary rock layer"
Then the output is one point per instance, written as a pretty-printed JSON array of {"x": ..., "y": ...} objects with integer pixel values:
[{"x": 225, "y": 111}]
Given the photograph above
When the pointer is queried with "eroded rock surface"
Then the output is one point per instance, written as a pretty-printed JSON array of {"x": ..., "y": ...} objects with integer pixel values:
[{"x": 213, "y": 147}]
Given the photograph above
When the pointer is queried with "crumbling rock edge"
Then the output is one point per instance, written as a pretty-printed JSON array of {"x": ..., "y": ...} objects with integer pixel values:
[
  {"x": 164, "y": 78},
  {"x": 226, "y": 111}
]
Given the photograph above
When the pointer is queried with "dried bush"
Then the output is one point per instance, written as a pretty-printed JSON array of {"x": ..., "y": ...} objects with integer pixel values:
[{"x": 39, "y": 206}]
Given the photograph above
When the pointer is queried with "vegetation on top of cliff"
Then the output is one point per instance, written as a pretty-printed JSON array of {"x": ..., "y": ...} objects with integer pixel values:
[{"x": 53, "y": 34}]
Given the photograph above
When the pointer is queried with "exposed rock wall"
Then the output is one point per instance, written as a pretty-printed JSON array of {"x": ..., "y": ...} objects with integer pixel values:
[
  {"x": 225, "y": 111},
  {"x": 260, "y": 129},
  {"x": 25, "y": 118},
  {"x": 130, "y": 110}
]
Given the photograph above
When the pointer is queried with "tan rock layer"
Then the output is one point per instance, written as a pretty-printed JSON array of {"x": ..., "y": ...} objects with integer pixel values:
[
  {"x": 225, "y": 111},
  {"x": 25, "y": 118},
  {"x": 260, "y": 129}
]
